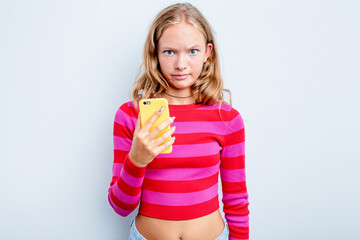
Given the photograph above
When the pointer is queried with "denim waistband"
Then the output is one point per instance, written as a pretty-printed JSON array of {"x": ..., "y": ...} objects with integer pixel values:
[{"x": 135, "y": 235}]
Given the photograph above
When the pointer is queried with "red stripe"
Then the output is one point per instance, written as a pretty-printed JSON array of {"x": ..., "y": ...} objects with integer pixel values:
[
  {"x": 179, "y": 212},
  {"x": 129, "y": 190},
  {"x": 130, "y": 110},
  {"x": 113, "y": 180},
  {"x": 180, "y": 186},
  {"x": 204, "y": 115},
  {"x": 235, "y": 137},
  {"x": 184, "y": 162},
  {"x": 132, "y": 169},
  {"x": 234, "y": 187},
  {"x": 119, "y": 156},
  {"x": 239, "y": 232},
  {"x": 121, "y": 204},
  {"x": 122, "y": 131},
  {"x": 195, "y": 138},
  {"x": 186, "y": 116},
  {"x": 241, "y": 209},
  {"x": 232, "y": 163}
]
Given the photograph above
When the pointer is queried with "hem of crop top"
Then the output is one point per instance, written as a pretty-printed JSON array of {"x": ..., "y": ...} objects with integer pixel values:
[{"x": 179, "y": 212}]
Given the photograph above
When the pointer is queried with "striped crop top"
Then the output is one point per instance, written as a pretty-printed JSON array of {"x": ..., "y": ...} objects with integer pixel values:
[{"x": 184, "y": 183}]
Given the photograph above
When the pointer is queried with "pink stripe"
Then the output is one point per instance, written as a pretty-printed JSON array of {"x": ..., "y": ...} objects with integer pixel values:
[
  {"x": 237, "y": 220},
  {"x": 237, "y": 175},
  {"x": 125, "y": 120},
  {"x": 118, "y": 210},
  {"x": 236, "y": 124},
  {"x": 216, "y": 107},
  {"x": 116, "y": 169},
  {"x": 123, "y": 144},
  {"x": 131, "y": 180},
  {"x": 235, "y": 199},
  {"x": 234, "y": 150},
  {"x": 230, "y": 238},
  {"x": 192, "y": 150},
  {"x": 215, "y": 127},
  {"x": 181, "y": 174},
  {"x": 179, "y": 199},
  {"x": 123, "y": 196}
]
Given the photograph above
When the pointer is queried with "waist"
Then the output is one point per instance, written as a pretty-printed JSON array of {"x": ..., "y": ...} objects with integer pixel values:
[{"x": 206, "y": 227}]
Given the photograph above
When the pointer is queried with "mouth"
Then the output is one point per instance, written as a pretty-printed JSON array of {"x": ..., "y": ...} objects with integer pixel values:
[{"x": 180, "y": 76}]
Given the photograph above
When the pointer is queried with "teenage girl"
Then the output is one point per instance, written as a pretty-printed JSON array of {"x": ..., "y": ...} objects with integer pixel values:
[{"x": 178, "y": 192}]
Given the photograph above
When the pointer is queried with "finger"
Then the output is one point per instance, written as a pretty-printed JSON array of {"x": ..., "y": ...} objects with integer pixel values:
[
  {"x": 161, "y": 148},
  {"x": 159, "y": 128},
  {"x": 150, "y": 122},
  {"x": 164, "y": 137}
]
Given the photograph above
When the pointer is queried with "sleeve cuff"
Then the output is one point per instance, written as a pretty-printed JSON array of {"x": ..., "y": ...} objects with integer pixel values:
[{"x": 133, "y": 169}]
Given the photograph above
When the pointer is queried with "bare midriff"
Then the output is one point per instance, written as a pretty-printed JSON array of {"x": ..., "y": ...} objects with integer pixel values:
[{"x": 208, "y": 227}]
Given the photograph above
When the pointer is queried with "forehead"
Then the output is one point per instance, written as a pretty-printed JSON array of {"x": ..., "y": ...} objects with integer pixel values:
[{"x": 181, "y": 35}]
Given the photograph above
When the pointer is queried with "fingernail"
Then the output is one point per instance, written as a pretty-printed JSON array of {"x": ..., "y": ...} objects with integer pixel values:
[
  {"x": 173, "y": 118},
  {"x": 161, "y": 109}
]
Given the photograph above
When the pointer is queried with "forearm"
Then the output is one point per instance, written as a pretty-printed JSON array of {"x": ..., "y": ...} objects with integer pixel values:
[{"x": 124, "y": 194}]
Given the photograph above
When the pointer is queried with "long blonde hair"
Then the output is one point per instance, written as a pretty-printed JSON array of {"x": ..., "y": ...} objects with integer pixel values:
[{"x": 208, "y": 88}]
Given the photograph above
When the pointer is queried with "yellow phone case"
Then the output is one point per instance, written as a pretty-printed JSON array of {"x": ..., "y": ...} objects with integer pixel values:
[{"x": 147, "y": 108}]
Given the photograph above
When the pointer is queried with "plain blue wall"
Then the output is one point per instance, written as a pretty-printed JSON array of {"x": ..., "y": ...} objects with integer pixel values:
[{"x": 293, "y": 70}]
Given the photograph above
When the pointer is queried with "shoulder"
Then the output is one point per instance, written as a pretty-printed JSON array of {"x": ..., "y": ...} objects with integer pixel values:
[
  {"x": 229, "y": 111},
  {"x": 231, "y": 116},
  {"x": 126, "y": 110}
]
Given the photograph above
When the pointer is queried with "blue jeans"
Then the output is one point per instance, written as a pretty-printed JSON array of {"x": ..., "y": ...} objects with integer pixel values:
[{"x": 135, "y": 235}]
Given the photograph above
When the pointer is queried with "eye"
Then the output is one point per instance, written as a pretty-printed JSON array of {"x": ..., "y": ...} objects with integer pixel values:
[
  {"x": 193, "y": 51},
  {"x": 168, "y": 52}
]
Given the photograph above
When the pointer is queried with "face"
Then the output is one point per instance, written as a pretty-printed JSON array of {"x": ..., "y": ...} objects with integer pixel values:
[{"x": 182, "y": 51}]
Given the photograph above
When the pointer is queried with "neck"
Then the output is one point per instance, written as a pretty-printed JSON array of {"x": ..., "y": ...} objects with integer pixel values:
[{"x": 178, "y": 99}]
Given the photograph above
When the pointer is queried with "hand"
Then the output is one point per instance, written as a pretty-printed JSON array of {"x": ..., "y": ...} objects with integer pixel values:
[{"x": 145, "y": 147}]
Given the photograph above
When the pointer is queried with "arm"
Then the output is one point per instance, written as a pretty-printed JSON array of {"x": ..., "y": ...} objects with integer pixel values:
[
  {"x": 142, "y": 146},
  {"x": 232, "y": 172},
  {"x": 125, "y": 187}
]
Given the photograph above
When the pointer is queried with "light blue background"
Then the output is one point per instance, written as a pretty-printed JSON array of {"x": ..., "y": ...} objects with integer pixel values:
[{"x": 292, "y": 68}]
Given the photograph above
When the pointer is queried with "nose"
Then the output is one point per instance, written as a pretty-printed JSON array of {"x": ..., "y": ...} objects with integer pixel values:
[{"x": 180, "y": 63}]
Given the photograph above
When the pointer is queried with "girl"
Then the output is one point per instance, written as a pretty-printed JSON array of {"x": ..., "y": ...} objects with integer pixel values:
[{"x": 179, "y": 190}]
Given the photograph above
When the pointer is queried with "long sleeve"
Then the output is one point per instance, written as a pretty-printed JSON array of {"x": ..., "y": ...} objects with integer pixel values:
[
  {"x": 232, "y": 172},
  {"x": 127, "y": 178}
]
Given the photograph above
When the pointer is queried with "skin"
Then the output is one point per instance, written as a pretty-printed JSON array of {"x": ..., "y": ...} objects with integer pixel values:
[{"x": 182, "y": 49}]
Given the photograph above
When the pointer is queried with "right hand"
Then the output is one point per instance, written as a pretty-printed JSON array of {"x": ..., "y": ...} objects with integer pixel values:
[{"x": 145, "y": 147}]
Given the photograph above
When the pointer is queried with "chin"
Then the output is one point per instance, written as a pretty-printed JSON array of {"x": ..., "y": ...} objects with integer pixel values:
[
  {"x": 182, "y": 83},
  {"x": 180, "y": 86}
]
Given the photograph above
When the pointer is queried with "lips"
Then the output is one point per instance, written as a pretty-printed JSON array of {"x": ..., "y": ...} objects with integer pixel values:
[{"x": 180, "y": 76}]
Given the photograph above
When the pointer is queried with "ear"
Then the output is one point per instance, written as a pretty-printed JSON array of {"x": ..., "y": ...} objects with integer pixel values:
[{"x": 208, "y": 49}]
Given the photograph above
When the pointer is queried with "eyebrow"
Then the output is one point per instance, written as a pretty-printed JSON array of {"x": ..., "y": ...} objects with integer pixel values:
[{"x": 192, "y": 47}]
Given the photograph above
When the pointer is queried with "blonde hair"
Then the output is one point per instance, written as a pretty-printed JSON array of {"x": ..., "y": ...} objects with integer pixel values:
[{"x": 208, "y": 88}]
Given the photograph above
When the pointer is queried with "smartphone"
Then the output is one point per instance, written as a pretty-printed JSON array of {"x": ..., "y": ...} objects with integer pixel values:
[{"x": 147, "y": 108}]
